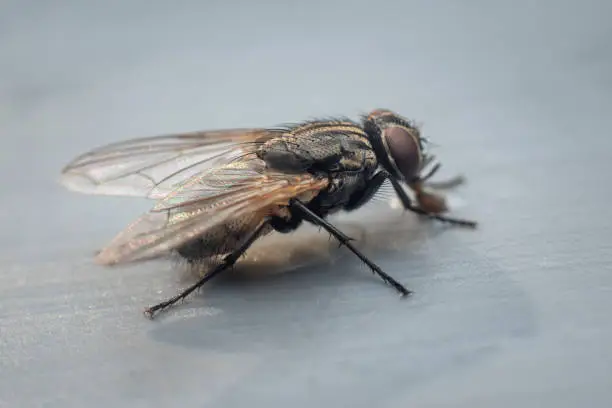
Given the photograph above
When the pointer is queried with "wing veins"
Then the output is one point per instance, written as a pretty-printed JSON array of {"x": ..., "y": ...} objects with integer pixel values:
[
  {"x": 161, "y": 236},
  {"x": 244, "y": 187},
  {"x": 207, "y": 137},
  {"x": 153, "y": 165},
  {"x": 170, "y": 235},
  {"x": 197, "y": 164},
  {"x": 135, "y": 147},
  {"x": 125, "y": 154}
]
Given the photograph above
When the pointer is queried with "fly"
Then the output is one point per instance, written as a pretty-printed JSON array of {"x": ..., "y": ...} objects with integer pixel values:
[{"x": 219, "y": 191}]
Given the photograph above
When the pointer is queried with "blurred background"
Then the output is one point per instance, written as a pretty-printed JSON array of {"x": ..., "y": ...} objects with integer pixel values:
[{"x": 516, "y": 94}]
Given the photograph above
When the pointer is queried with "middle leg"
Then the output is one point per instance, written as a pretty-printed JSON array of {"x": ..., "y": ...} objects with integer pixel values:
[{"x": 310, "y": 216}]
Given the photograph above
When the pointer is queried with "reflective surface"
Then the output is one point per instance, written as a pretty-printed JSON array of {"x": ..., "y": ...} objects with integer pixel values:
[{"x": 514, "y": 314}]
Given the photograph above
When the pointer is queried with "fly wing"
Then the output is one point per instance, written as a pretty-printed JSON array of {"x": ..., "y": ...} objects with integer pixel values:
[
  {"x": 217, "y": 196},
  {"x": 153, "y": 166}
]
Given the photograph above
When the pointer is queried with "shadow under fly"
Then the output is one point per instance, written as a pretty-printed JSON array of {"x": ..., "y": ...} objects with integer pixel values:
[{"x": 219, "y": 191}]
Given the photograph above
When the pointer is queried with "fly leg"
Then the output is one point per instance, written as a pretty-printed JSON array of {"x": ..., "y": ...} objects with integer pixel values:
[
  {"x": 431, "y": 172},
  {"x": 407, "y": 202},
  {"x": 308, "y": 215},
  {"x": 440, "y": 185},
  {"x": 446, "y": 184},
  {"x": 228, "y": 261}
]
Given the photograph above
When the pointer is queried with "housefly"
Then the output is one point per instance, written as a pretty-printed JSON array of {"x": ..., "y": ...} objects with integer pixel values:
[{"x": 218, "y": 191}]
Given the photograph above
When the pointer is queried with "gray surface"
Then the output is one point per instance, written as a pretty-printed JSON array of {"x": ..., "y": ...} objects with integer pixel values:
[{"x": 514, "y": 314}]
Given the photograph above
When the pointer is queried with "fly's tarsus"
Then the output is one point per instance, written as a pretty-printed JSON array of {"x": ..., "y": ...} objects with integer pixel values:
[
  {"x": 445, "y": 184},
  {"x": 443, "y": 218}
]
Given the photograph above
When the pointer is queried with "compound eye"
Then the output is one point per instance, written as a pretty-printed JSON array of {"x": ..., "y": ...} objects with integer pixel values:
[{"x": 404, "y": 150}]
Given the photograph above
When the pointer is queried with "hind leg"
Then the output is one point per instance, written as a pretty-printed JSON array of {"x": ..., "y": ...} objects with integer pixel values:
[{"x": 228, "y": 261}]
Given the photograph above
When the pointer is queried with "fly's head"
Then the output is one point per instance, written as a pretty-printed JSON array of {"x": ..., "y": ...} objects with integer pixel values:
[{"x": 398, "y": 144}]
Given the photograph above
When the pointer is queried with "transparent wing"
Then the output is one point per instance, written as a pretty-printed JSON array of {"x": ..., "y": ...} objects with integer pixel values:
[
  {"x": 219, "y": 195},
  {"x": 153, "y": 166}
]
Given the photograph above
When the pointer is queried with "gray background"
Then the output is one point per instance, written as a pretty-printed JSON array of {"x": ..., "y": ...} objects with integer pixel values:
[{"x": 517, "y": 313}]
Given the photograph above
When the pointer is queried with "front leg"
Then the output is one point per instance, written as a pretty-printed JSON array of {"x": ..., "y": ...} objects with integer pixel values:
[
  {"x": 430, "y": 205},
  {"x": 432, "y": 208},
  {"x": 439, "y": 185}
]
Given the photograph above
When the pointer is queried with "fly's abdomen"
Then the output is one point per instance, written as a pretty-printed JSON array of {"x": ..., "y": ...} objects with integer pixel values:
[{"x": 221, "y": 239}]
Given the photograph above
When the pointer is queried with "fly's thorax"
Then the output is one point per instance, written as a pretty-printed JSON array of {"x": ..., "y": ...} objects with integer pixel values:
[
  {"x": 284, "y": 153},
  {"x": 318, "y": 146}
]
